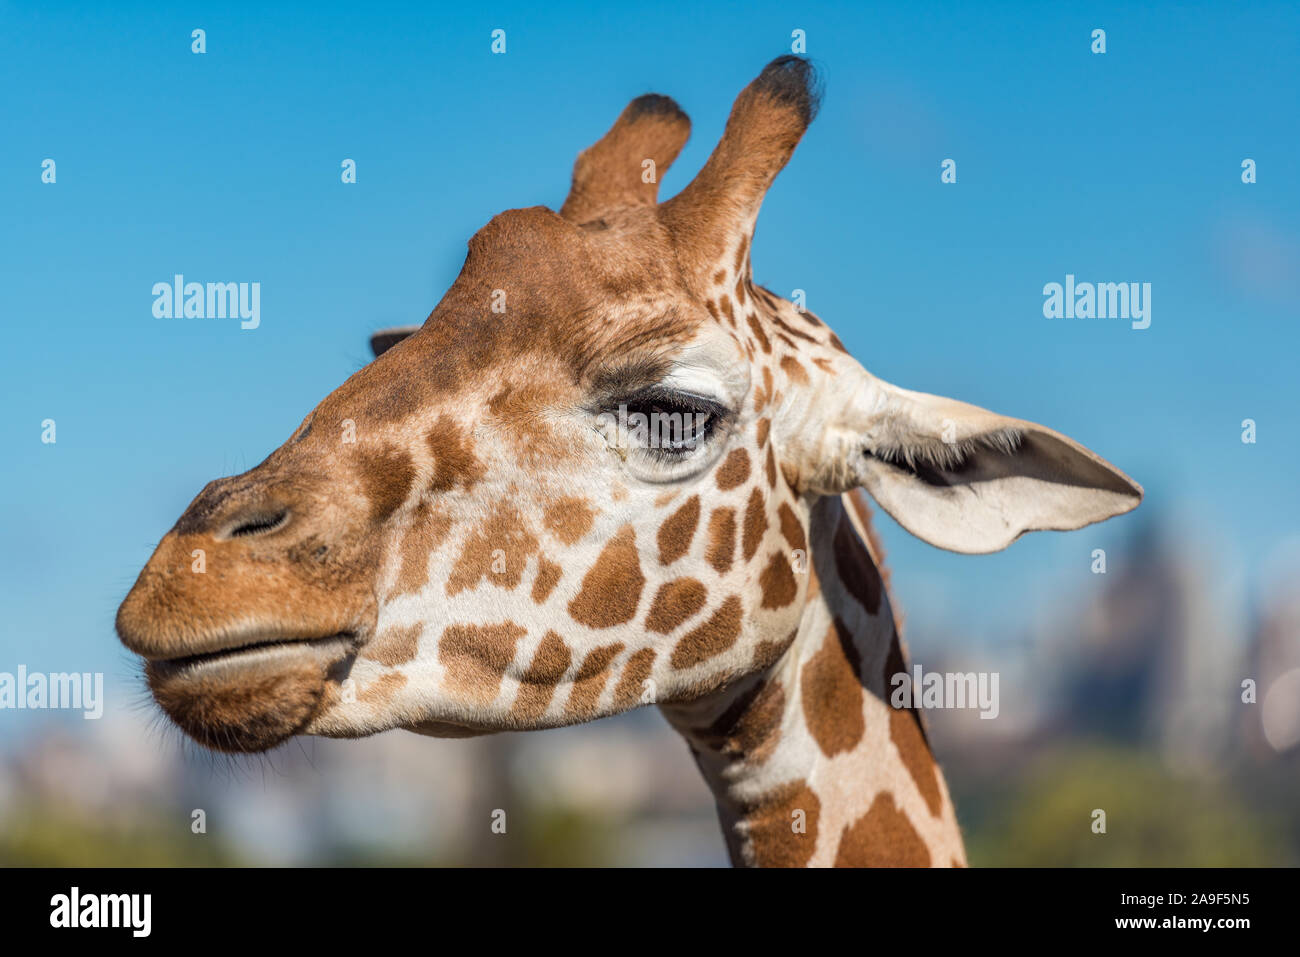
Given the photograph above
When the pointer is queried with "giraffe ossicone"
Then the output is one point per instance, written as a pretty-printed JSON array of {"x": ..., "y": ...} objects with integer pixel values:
[{"x": 497, "y": 548}]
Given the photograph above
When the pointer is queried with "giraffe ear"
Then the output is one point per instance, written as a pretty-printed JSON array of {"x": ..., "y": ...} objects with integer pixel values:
[
  {"x": 385, "y": 339},
  {"x": 623, "y": 167},
  {"x": 966, "y": 479}
]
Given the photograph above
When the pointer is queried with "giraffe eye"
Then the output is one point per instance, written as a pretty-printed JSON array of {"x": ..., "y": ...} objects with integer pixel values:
[
  {"x": 663, "y": 430},
  {"x": 260, "y": 524},
  {"x": 670, "y": 427}
]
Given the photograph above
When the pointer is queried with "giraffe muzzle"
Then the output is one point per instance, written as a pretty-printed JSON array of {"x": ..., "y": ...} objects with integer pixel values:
[
  {"x": 252, "y": 697},
  {"x": 246, "y": 629}
]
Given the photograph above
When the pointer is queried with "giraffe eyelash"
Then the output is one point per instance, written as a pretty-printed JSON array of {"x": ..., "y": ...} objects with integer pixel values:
[{"x": 679, "y": 401}]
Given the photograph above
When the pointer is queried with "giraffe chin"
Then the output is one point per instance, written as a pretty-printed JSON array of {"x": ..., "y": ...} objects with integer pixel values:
[{"x": 251, "y": 699}]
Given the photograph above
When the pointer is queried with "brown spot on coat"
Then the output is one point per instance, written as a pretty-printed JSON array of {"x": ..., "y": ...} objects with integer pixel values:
[
  {"x": 809, "y": 318},
  {"x": 771, "y": 468},
  {"x": 395, "y": 645},
  {"x": 793, "y": 331},
  {"x": 428, "y": 531},
  {"x": 767, "y": 653},
  {"x": 734, "y": 470},
  {"x": 611, "y": 589},
  {"x": 477, "y": 656},
  {"x": 569, "y": 519},
  {"x": 883, "y": 837},
  {"x": 832, "y": 693},
  {"x": 454, "y": 462},
  {"x": 756, "y": 327},
  {"x": 498, "y": 550},
  {"x": 762, "y": 292},
  {"x": 762, "y": 431},
  {"x": 537, "y": 685},
  {"x": 386, "y": 479},
  {"x": 905, "y": 732},
  {"x": 792, "y": 528},
  {"x": 677, "y": 531},
  {"x": 711, "y": 638},
  {"x": 755, "y": 523},
  {"x": 791, "y": 367},
  {"x": 380, "y": 691},
  {"x": 777, "y": 582},
  {"x": 769, "y": 823},
  {"x": 722, "y": 539},
  {"x": 548, "y": 576},
  {"x": 676, "y": 602},
  {"x": 627, "y": 693},
  {"x": 591, "y": 679}
]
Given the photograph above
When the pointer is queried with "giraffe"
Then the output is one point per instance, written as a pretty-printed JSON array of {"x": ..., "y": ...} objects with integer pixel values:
[{"x": 611, "y": 470}]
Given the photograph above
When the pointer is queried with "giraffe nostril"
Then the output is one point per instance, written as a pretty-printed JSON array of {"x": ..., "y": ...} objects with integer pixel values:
[{"x": 260, "y": 524}]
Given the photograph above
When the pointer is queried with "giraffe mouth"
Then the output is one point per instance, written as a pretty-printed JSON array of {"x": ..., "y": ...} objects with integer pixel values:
[
  {"x": 267, "y": 651},
  {"x": 252, "y": 696}
]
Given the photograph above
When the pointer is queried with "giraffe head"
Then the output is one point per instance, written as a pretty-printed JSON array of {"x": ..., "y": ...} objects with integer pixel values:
[{"x": 583, "y": 484}]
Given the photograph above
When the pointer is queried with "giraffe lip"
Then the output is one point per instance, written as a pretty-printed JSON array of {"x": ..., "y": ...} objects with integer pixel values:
[
  {"x": 327, "y": 649},
  {"x": 252, "y": 696}
]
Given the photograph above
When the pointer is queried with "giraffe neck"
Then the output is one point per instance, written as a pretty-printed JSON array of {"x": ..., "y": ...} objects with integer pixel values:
[{"x": 808, "y": 762}]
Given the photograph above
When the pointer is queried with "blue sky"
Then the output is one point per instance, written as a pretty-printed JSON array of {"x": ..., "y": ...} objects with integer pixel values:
[{"x": 1123, "y": 166}]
